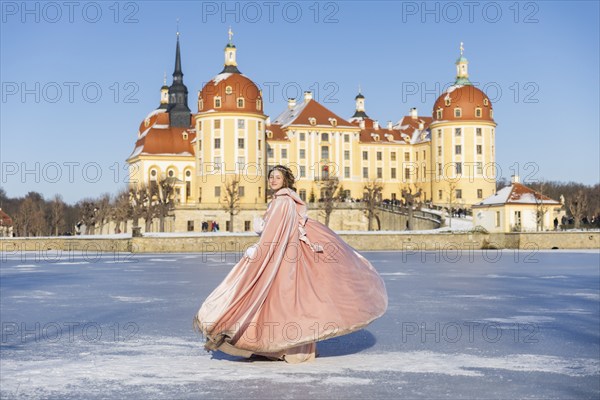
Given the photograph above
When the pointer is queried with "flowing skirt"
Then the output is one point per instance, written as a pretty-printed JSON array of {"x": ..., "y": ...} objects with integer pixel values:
[{"x": 290, "y": 293}]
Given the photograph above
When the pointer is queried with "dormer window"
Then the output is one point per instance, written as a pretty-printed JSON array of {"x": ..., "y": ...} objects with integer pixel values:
[
  {"x": 269, "y": 134},
  {"x": 240, "y": 102},
  {"x": 185, "y": 135},
  {"x": 218, "y": 102},
  {"x": 458, "y": 112},
  {"x": 147, "y": 122},
  {"x": 439, "y": 113},
  {"x": 491, "y": 113},
  {"x": 486, "y": 102},
  {"x": 312, "y": 121},
  {"x": 333, "y": 121},
  {"x": 228, "y": 90},
  {"x": 258, "y": 104},
  {"x": 478, "y": 112},
  {"x": 447, "y": 101},
  {"x": 200, "y": 104}
]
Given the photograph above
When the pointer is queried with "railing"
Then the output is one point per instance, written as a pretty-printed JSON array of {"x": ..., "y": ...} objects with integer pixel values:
[{"x": 404, "y": 211}]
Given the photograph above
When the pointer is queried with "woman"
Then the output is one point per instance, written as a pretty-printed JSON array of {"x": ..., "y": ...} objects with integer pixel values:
[{"x": 299, "y": 284}]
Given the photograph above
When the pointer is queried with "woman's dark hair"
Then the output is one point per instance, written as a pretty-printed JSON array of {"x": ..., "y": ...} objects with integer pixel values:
[{"x": 288, "y": 176}]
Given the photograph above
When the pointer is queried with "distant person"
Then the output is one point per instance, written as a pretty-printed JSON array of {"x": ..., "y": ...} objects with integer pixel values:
[{"x": 556, "y": 223}]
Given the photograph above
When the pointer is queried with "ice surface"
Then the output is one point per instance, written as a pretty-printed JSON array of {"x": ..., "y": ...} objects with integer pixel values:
[{"x": 120, "y": 326}]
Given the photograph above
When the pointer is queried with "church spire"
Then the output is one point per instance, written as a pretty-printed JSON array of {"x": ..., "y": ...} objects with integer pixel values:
[
  {"x": 230, "y": 54},
  {"x": 179, "y": 112},
  {"x": 462, "y": 69}
]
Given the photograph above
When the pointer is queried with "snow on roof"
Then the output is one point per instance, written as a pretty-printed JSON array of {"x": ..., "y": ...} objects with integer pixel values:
[
  {"x": 450, "y": 90},
  {"x": 136, "y": 151},
  {"x": 288, "y": 116},
  {"x": 155, "y": 112},
  {"x": 516, "y": 194},
  {"x": 221, "y": 77}
]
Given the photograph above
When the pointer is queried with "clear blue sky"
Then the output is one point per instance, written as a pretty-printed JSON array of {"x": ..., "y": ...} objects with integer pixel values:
[{"x": 538, "y": 61}]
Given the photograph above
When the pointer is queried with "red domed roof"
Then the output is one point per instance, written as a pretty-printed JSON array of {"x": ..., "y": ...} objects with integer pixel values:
[
  {"x": 231, "y": 87},
  {"x": 468, "y": 99}
]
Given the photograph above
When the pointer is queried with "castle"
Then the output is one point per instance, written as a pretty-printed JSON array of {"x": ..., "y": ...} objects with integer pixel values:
[{"x": 447, "y": 157}]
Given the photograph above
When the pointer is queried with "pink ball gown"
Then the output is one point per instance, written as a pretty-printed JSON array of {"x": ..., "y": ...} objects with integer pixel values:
[{"x": 299, "y": 284}]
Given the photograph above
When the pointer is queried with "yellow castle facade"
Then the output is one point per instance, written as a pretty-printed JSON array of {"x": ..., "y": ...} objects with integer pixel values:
[{"x": 447, "y": 156}]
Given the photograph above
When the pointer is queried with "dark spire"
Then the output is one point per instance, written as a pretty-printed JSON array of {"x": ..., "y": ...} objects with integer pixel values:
[{"x": 179, "y": 112}]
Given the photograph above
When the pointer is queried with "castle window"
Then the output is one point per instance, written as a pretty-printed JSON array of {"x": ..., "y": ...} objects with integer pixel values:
[
  {"x": 459, "y": 193},
  {"x": 379, "y": 156},
  {"x": 312, "y": 121},
  {"x": 217, "y": 191},
  {"x": 346, "y": 155},
  {"x": 393, "y": 173},
  {"x": 217, "y": 143},
  {"x": 240, "y": 143},
  {"x": 324, "y": 137},
  {"x": 486, "y": 102},
  {"x": 365, "y": 155},
  {"x": 258, "y": 104},
  {"x": 440, "y": 194},
  {"x": 333, "y": 121},
  {"x": 458, "y": 149},
  {"x": 302, "y": 154},
  {"x": 346, "y": 138},
  {"x": 217, "y": 124},
  {"x": 379, "y": 173},
  {"x": 228, "y": 90},
  {"x": 365, "y": 173},
  {"x": 324, "y": 152},
  {"x": 269, "y": 151},
  {"x": 439, "y": 131},
  {"x": 240, "y": 102},
  {"x": 478, "y": 112},
  {"x": 393, "y": 156},
  {"x": 439, "y": 113},
  {"x": 457, "y": 131},
  {"x": 447, "y": 101},
  {"x": 184, "y": 135},
  {"x": 217, "y": 102},
  {"x": 439, "y": 151},
  {"x": 302, "y": 136},
  {"x": 406, "y": 156},
  {"x": 188, "y": 173},
  {"x": 491, "y": 113},
  {"x": 458, "y": 168},
  {"x": 283, "y": 153},
  {"x": 478, "y": 149},
  {"x": 241, "y": 123},
  {"x": 241, "y": 191},
  {"x": 153, "y": 173},
  {"x": 200, "y": 104},
  {"x": 346, "y": 172},
  {"x": 199, "y": 145},
  {"x": 302, "y": 171},
  {"x": 458, "y": 112},
  {"x": 302, "y": 194},
  {"x": 171, "y": 173},
  {"x": 478, "y": 131}
]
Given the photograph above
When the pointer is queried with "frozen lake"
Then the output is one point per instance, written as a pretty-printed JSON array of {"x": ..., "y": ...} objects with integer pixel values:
[{"x": 470, "y": 324}]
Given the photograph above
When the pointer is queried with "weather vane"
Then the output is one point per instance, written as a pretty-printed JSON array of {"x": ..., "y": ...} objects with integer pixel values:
[
  {"x": 461, "y": 48},
  {"x": 230, "y": 33},
  {"x": 177, "y": 26}
]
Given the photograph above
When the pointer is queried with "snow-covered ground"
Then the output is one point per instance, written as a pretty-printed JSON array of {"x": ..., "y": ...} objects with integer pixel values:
[{"x": 466, "y": 324}]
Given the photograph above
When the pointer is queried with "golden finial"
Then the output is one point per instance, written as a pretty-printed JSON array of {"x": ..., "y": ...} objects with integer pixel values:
[
  {"x": 462, "y": 49},
  {"x": 230, "y": 33}
]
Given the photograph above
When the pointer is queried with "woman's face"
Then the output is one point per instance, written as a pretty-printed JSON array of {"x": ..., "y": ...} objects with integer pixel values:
[{"x": 276, "y": 180}]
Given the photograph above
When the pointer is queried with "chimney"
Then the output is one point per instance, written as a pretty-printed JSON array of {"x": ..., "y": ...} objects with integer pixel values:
[
  {"x": 361, "y": 124},
  {"x": 389, "y": 125},
  {"x": 291, "y": 103},
  {"x": 515, "y": 178},
  {"x": 376, "y": 125},
  {"x": 268, "y": 121},
  {"x": 413, "y": 113},
  {"x": 421, "y": 125},
  {"x": 307, "y": 96}
]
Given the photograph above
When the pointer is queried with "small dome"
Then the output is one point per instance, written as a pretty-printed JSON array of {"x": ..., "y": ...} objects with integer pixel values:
[
  {"x": 236, "y": 92},
  {"x": 468, "y": 99}
]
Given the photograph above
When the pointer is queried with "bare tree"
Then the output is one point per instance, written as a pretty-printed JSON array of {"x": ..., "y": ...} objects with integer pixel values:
[
  {"x": 103, "y": 211},
  {"x": 372, "y": 198},
  {"x": 451, "y": 198},
  {"x": 578, "y": 204},
  {"x": 541, "y": 208},
  {"x": 329, "y": 195},
  {"x": 29, "y": 220},
  {"x": 57, "y": 214},
  {"x": 121, "y": 210},
  {"x": 139, "y": 200},
  {"x": 87, "y": 215},
  {"x": 231, "y": 199},
  {"x": 409, "y": 199},
  {"x": 163, "y": 200}
]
